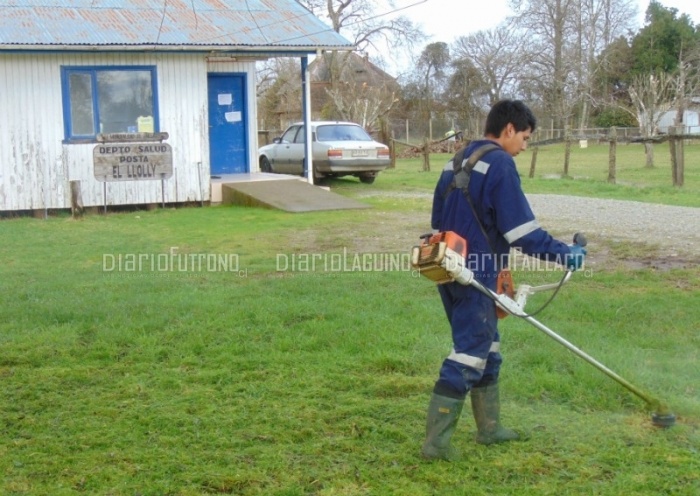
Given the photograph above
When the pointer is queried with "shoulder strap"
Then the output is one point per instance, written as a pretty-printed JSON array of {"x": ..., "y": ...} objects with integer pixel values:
[
  {"x": 462, "y": 174},
  {"x": 476, "y": 155},
  {"x": 462, "y": 167}
]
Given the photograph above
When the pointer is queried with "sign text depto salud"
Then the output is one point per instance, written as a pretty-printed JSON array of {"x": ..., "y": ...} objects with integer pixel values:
[{"x": 132, "y": 161}]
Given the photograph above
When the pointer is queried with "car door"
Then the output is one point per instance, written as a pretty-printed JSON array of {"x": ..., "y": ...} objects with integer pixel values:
[
  {"x": 282, "y": 153},
  {"x": 296, "y": 152}
]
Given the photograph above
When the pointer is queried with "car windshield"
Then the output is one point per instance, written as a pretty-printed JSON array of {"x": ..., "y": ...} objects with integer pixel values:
[{"x": 342, "y": 132}]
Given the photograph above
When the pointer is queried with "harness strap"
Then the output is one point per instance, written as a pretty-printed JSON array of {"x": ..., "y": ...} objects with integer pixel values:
[
  {"x": 463, "y": 168},
  {"x": 462, "y": 174}
]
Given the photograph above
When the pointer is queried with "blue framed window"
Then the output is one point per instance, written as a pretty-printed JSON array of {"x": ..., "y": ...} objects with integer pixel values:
[{"x": 119, "y": 99}]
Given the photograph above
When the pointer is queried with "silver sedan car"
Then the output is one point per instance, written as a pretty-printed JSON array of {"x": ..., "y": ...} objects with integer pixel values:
[{"x": 338, "y": 149}]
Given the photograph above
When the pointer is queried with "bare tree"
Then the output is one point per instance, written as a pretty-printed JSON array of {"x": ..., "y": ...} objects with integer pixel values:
[
  {"x": 362, "y": 103},
  {"x": 652, "y": 95},
  {"x": 368, "y": 24},
  {"x": 567, "y": 36},
  {"x": 468, "y": 95},
  {"x": 279, "y": 92},
  {"x": 551, "y": 23},
  {"x": 497, "y": 54},
  {"x": 432, "y": 64},
  {"x": 600, "y": 22}
]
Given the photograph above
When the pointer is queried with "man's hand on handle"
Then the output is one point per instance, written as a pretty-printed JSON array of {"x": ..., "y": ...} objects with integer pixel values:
[{"x": 576, "y": 257}]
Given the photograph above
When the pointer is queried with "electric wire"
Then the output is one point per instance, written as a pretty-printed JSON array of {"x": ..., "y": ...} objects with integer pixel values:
[
  {"x": 307, "y": 13},
  {"x": 255, "y": 21},
  {"x": 162, "y": 20},
  {"x": 196, "y": 18},
  {"x": 261, "y": 27}
]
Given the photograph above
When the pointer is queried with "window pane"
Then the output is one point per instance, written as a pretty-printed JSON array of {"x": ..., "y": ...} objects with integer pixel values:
[
  {"x": 288, "y": 136},
  {"x": 81, "y": 112},
  {"x": 342, "y": 132},
  {"x": 125, "y": 101}
]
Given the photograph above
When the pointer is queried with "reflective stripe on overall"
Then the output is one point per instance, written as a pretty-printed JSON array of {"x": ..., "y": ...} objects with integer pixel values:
[{"x": 475, "y": 359}]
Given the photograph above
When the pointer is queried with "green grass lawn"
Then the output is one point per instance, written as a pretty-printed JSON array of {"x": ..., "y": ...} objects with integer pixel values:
[
  {"x": 267, "y": 376},
  {"x": 588, "y": 174}
]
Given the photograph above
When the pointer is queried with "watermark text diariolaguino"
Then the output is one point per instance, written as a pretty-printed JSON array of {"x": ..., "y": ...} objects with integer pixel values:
[{"x": 344, "y": 261}]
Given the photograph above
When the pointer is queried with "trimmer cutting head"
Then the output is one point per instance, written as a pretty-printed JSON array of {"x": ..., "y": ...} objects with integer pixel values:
[{"x": 664, "y": 420}]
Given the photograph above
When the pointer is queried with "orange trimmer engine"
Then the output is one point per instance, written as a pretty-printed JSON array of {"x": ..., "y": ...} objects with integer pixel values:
[
  {"x": 442, "y": 258},
  {"x": 429, "y": 257}
]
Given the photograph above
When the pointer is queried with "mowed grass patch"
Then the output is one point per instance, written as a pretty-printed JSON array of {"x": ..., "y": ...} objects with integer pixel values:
[{"x": 313, "y": 380}]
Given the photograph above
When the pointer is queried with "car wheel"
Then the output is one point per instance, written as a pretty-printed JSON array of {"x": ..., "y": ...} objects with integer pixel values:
[
  {"x": 367, "y": 179},
  {"x": 265, "y": 165}
]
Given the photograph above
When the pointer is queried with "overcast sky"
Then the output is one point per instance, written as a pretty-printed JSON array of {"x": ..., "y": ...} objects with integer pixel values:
[
  {"x": 449, "y": 19},
  {"x": 446, "y": 20}
]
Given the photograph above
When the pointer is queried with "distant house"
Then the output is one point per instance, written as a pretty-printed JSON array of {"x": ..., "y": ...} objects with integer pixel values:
[
  {"x": 137, "y": 101},
  {"x": 356, "y": 70},
  {"x": 690, "y": 121}
]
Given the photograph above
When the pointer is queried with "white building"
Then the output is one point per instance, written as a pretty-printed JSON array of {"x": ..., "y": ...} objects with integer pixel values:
[
  {"x": 74, "y": 72},
  {"x": 690, "y": 123}
]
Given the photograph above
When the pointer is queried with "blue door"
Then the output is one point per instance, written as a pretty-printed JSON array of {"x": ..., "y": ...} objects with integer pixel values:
[{"x": 228, "y": 137}]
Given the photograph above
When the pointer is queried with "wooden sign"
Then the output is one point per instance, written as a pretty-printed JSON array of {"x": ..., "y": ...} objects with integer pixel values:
[{"x": 132, "y": 161}]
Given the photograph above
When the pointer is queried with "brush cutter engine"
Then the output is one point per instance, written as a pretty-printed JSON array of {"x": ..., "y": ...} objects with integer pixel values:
[{"x": 442, "y": 258}]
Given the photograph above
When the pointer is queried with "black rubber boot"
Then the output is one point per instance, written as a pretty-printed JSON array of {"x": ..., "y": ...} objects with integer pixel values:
[
  {"x": 486, "y": 407},
  {"x": 443, "y": 414}
]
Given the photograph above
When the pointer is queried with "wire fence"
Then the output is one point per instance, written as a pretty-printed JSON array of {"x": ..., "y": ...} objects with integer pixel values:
[
  {"x": 416, "y": 132},
  {"x": 676, "y": 138}
]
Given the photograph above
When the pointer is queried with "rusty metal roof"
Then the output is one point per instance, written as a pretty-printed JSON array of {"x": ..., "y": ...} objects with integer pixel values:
[{"x": 231, "y": 25}]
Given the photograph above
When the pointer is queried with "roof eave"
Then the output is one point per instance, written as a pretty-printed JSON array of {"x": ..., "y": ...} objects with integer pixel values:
[{"x": 253, "y": 50}]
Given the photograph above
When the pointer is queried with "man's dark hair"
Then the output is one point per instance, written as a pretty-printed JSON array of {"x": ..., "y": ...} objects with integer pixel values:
[{"x": 509, "y": 112}]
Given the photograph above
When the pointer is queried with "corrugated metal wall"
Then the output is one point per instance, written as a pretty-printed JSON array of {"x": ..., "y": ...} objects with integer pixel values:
[
  {"x": 32, "y": 174},
  {"x": 36, "y": 167}
]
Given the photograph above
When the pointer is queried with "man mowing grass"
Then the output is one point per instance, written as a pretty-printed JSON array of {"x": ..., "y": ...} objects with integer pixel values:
[{"x": 482, "y": 201}]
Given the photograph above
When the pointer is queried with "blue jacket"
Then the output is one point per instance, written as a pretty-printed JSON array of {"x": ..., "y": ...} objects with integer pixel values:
[{"x": 504, "y": 213}]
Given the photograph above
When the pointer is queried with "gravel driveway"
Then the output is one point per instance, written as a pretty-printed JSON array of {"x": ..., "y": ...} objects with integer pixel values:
[{"x": 673, "y": 232}]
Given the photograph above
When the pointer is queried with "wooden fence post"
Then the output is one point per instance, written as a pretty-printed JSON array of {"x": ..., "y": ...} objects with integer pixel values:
[
  {"x": 426, "y": 155},
  {"x": 76, "y": 199},
  {"x": 677, "y": 156},
  {"x": 567, "y": 150},
  {"x": 392, "y": 153},
  {"x": 533, "y": 162},
  {"x": 612, "y": 156},
  {"x": 680, "y": 173},
  {"x": 674, "y": 156}
]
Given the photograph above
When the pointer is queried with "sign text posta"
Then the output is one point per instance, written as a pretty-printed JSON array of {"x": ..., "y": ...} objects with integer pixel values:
[{"x": 132, "y": 161}]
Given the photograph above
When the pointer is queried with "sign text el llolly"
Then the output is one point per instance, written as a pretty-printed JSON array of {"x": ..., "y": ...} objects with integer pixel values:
[{"x": 132, "y": 161}]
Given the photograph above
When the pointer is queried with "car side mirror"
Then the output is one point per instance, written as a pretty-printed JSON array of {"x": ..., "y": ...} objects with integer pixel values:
[{"x": 277, "y": 141}]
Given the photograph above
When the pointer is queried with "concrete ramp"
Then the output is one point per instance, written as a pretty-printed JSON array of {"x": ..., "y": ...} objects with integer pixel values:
[{"x": 285, "y": 194}]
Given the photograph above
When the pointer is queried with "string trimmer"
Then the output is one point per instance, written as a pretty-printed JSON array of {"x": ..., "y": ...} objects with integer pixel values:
[{"x": 442, "y": 258}]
